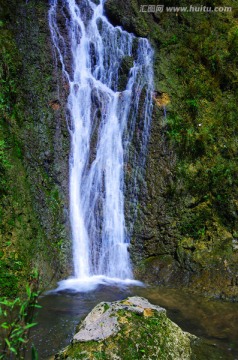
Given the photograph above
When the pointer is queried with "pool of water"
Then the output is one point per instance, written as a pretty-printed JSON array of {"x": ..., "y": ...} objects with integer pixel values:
[{"x": 214, "y": 321}]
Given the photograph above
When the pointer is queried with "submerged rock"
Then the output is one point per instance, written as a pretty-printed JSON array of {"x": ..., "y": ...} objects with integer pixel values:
[{"x": 129, "y": 329}]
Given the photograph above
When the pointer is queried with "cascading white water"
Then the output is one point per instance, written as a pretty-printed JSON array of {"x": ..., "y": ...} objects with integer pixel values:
[{"x": 102, "y": 118}]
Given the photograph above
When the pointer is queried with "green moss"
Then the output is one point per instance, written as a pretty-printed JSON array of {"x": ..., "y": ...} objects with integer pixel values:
[
  {"x": 106, "y": 307},
  {"x": 202, "y": 121},
  {"x": 126, "y": 65},
  {"x": 127, "y": 14},
  {"x": 192, "y": 167},
  {"x": 139, "y": 337},
  {"x": 31, "y": 202}
]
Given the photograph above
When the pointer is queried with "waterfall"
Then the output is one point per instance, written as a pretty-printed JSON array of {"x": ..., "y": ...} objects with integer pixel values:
[{"x": 105, "y": 107}]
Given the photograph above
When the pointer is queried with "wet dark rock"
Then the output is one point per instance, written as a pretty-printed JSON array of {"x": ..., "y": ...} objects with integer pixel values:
[
  {"x": 179, "y": 237},
  {"x": 123, "y": 73},
  {"x": 181, "y": 234},
  {"x": 40, "y": 152},
  {"x": 126, "y": 14}
]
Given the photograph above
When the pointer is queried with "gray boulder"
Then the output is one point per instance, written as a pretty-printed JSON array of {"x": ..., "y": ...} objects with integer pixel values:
[{"x": 128, "y": 329}]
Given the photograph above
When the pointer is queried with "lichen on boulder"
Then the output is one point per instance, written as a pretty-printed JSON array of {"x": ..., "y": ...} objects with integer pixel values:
[{"x": 129, "y": 329}]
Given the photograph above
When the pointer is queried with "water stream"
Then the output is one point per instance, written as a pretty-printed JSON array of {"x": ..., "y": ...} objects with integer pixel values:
[{"x": 103, "y": 109}]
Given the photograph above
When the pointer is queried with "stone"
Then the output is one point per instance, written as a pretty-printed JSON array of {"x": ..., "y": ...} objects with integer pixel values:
[{"x": 129, "y": 329}]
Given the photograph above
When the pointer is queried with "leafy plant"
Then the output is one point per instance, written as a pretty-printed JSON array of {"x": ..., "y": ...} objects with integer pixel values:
[{"x": 16, "y": 320}]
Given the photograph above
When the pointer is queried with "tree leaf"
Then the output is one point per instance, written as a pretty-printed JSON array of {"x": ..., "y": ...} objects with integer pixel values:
[{"x": 28, "y": 326}]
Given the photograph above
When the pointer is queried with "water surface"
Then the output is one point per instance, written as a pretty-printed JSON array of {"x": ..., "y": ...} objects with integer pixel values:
[{"x": 214, "y": 321}]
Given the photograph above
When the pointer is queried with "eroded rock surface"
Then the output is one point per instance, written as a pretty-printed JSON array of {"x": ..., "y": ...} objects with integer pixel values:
[{"x": 129, "y": 329}]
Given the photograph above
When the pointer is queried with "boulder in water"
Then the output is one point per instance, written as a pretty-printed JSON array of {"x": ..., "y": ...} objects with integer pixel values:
[{"x": 128, "y": 329}]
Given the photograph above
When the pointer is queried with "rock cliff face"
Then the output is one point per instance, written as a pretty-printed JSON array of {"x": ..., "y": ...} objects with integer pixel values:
[
  {"x": 35, "y": 222},
  {"x": 186, "y": 232},
  {"x": 186, "y": 229}
]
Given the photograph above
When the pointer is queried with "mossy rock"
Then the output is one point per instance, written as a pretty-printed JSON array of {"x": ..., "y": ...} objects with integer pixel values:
[
  {"x": 126, "y": 65},
  {"x": 127, "y": 14},
  {"x": 34, "y": 147},
  {"x": 129, "y": 329}
]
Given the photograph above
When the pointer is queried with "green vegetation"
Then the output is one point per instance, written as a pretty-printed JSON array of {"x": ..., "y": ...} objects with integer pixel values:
[
  {"x": 192, "y": 184},
  {"x": 10, "y": 265},
  {"x": 106, "y": 307},
  {"x": 202, "y": 122},
  {"x": 31, "y": 206},
  {"x": 201, "y": 80},
  {"x": 190, "y": 211},
  {"x": 16, "y": 320},
  {"x": 9, "y": 63},
  {"x": 196, "y": 65}
]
